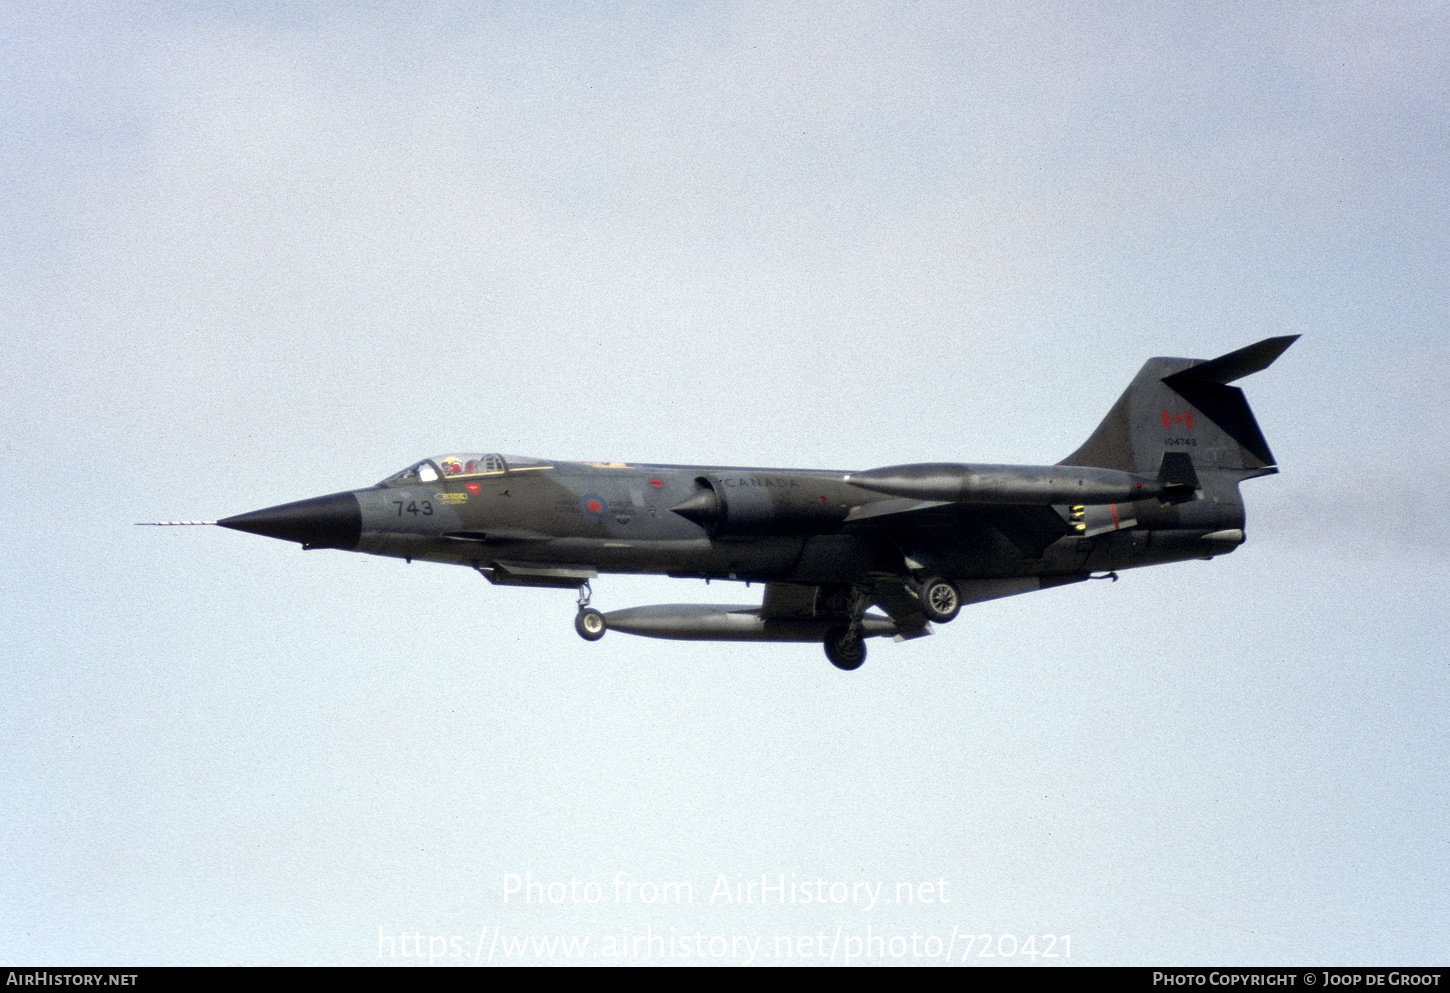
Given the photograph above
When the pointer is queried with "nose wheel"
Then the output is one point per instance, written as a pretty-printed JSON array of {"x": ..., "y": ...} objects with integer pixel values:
[{"x": 589, "y": 622}]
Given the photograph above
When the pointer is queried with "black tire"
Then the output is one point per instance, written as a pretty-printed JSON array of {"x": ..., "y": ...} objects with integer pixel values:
[
  {"x": 590, "y": 624},
  {"x": 844, "y": 651},
  {"x": 940, "y": 600}
]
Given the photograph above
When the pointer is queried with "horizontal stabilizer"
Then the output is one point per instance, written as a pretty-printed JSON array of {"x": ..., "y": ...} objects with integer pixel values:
[{"x": 1235, "y": 365}]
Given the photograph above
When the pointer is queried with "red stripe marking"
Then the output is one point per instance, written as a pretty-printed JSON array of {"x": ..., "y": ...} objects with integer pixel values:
[{"x": 1114, "y": 508}]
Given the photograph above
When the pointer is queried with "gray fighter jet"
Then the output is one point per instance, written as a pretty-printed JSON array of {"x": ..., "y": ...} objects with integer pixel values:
[{"x": 1158, "y": 481}]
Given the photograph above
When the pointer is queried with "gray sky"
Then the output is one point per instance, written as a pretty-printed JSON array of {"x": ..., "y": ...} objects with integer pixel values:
[{"x": 254, "y": 253}]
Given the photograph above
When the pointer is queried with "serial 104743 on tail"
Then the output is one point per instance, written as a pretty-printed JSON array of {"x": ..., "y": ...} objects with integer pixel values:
[{"x": 1158, "y": 481}]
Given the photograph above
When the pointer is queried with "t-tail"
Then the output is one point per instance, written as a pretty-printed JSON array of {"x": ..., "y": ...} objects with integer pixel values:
[
  {"x": 1185, "y": 407},
  {"x": 1180, "y": 421}
]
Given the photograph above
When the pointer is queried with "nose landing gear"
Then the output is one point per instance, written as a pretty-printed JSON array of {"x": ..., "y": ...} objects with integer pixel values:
[{"x": 589, "y": 622}]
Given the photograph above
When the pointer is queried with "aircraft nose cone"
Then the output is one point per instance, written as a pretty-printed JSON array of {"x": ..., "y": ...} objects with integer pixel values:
[{"x": 323, "y": 522}]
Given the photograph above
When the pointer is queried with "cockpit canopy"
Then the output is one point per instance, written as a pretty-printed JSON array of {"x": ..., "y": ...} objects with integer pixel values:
[{"x": 463, "y": 465}]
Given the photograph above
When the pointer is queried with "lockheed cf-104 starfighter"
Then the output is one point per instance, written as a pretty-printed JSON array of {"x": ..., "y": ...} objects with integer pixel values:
[{"x": 1157, "y": 481}]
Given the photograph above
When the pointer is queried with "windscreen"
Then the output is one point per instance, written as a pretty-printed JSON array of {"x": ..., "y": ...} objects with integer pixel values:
[{"x": 421, "y": 472}]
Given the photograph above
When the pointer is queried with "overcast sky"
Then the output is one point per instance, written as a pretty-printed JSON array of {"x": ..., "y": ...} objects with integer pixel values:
[{"x": 251, "y": 253}]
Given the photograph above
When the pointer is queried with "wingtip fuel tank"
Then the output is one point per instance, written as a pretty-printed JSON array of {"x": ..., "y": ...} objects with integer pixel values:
[
  {"x": 713, "y": 622},
  {"x": 1016, "y": 485}
]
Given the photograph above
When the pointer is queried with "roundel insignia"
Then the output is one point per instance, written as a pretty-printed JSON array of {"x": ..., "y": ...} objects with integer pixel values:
[{"x": 594, "y": 507}]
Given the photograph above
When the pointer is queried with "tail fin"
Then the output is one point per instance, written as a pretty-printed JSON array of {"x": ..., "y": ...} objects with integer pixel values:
[{"x": 1186, "y": 406}]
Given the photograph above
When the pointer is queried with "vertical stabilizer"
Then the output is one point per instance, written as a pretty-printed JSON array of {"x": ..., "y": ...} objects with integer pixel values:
[{"x": 1186, "y": 406}]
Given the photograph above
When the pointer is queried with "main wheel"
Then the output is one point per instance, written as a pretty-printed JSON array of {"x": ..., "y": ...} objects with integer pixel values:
[
  {"x": 590, "y": 624},
  {"x": 845, "y": 650},
  {"x": 940, "y": 600}
]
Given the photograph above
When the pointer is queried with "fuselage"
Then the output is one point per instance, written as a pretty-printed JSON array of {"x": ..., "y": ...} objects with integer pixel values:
[{"x": 768, "y": 525}]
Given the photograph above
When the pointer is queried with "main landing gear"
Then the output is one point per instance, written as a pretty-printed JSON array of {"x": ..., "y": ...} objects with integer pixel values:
[
  {"x": 845, "y": 650},
  {"x": 844, "y": 645},
  {"x": 589, "y": 622},
  {"x": 940, "y": 600}
]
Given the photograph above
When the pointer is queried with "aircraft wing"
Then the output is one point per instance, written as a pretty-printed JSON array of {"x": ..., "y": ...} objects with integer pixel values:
[{"x": 1030, "y": 528}]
